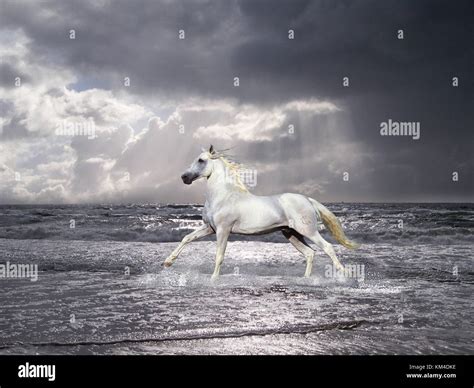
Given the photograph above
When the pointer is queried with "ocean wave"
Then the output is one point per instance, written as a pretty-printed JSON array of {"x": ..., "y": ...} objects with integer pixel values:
[
  {"x": 138, "y": 234},
  {"x": 203, "y": 334},
  {"x": 365, "y": 223},
  {"x": 175, "y": 234}
]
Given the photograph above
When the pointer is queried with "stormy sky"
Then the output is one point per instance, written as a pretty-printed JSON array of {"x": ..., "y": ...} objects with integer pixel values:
[{"x": 154, "y": 82}]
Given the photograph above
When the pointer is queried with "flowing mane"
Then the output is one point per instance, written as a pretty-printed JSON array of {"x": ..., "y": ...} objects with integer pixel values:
[{"x": 232, "y": 168}]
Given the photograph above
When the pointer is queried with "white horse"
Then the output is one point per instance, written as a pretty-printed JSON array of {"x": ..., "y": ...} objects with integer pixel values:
[{"x": 231, "y": 208}]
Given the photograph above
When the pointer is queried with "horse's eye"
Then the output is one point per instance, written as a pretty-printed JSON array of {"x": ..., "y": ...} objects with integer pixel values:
[{"x": 201, "y": 161}]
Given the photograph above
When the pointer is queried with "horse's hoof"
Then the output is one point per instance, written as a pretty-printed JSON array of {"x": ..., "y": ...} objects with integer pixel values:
[{"x": 167, "y": 264}]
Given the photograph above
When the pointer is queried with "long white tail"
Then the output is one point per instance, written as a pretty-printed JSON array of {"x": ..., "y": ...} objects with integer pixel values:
[{"x": 332, "y": 223}]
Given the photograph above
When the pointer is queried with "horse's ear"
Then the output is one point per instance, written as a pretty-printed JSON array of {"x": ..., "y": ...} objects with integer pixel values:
[{"x": 211, "y": 149}]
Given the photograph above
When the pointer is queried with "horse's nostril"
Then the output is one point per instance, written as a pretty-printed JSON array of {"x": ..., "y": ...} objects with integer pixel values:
[{"x": 186, "y": 178}]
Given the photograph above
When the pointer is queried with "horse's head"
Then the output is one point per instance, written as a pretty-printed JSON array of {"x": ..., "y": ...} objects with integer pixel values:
[{"x": 200, "y": 168}]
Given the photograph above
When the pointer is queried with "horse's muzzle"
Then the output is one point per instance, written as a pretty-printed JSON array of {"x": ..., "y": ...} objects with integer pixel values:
[{"x": 187, "y": 179}]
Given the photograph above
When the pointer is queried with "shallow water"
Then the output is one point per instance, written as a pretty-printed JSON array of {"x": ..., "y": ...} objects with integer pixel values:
[{"x": 410, "y": 300}]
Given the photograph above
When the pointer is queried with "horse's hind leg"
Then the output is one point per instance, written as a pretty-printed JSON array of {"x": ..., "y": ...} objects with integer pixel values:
[
  {"x": 297, "y": 240},
  {"x": 326, "y": 247}
]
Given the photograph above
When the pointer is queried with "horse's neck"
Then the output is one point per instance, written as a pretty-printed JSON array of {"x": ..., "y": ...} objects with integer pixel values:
[{"x": 217, "y": 185}]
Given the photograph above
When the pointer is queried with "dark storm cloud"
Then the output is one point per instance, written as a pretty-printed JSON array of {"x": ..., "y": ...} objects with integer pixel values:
[
  {"x": 249, "y": 39},
  {"x": 405, "y": 80},
  {"x": 136, "y": 39}
]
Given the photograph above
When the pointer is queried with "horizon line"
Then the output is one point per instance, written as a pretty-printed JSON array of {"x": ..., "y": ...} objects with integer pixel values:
[{"x": 200, "y": 204}]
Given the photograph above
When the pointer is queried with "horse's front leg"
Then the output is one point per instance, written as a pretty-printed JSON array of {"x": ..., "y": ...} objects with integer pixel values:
[
  {"x": 203, "y": 231},
  {"x": 222, "y": 236}
]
